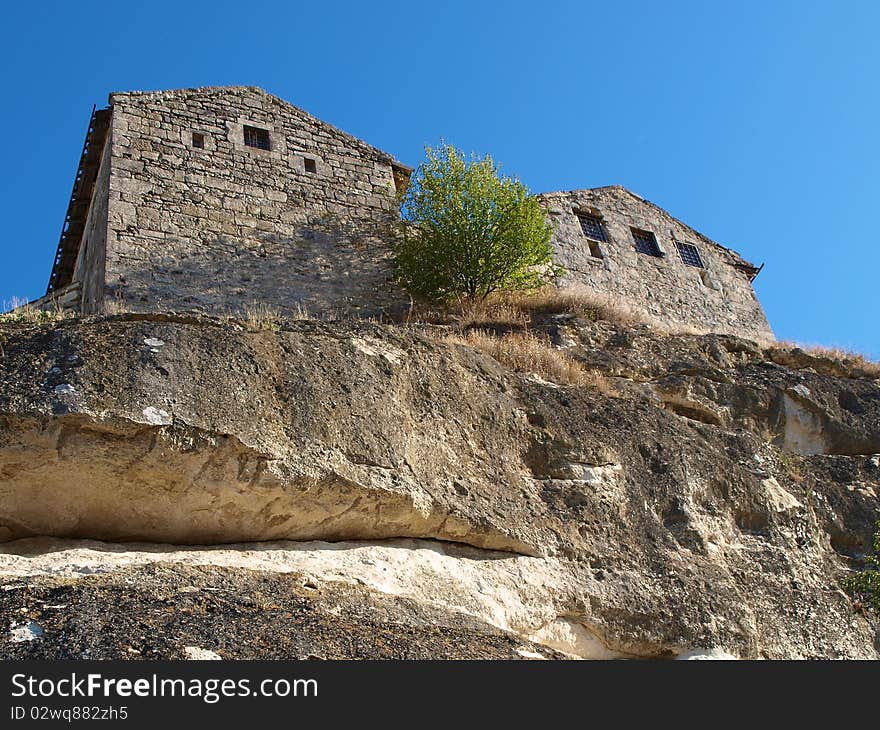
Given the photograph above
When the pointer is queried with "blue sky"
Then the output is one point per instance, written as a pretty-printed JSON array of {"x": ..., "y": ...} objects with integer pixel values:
[{"x": 754, "y": 122}]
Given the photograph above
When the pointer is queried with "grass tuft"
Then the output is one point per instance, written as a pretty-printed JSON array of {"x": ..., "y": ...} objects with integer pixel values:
[
  {"x": 260, "y": 316},
  {"x": 525, "y": 352},
  {"x": 844, "y": 362},
  {"x": 22, "y": 312},
  {"x": 521, "y": 310}
]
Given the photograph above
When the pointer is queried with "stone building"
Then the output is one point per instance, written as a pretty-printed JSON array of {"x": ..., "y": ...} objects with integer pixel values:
[
  {"x": 628, "y": 250},
  {"x": 215, "y": 198},
  {"x": 210, "y": 199}
]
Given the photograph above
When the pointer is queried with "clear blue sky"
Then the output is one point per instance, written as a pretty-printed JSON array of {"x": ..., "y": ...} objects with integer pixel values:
[{"x": 754, "y": 122}]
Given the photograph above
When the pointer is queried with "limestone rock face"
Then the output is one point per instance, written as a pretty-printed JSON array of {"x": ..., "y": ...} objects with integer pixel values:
[
  {"x": 263, "y": 615},
  {"x": 707, "y": 504}
]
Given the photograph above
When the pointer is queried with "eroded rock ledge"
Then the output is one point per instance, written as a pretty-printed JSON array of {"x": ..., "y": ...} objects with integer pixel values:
[
  {"x": 192, "y": 433},
  {"x": 693, "y": 507}
]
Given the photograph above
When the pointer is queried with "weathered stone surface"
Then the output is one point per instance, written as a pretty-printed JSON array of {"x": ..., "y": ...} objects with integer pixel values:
[
  {"x": 168, "y": 611},
  {"x": 290, "y": 438},
  {"x": 716, "y": 298},
  {"x": 731, "y": 382},
  {"x": 651, "y": 532},
  {"x": 183, "y": 215},
  {"x": 212, "y": 228}
]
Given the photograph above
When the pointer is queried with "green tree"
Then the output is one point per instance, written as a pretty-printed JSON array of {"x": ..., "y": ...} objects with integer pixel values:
[
  {"x": 865, "y": 586},
  {"x": 469, "y": 232}
]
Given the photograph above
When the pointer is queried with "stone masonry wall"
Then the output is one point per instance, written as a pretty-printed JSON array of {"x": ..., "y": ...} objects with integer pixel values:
[
  {"x": 218, "y": 227},
  {"x": 718, "y": 298},
  {"x": 178, "y": 226}
]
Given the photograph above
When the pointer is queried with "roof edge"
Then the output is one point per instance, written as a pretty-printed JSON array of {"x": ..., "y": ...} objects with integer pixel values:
[
  {"x": 384, "y": 156},
  {"x": 745, "y": 264}
]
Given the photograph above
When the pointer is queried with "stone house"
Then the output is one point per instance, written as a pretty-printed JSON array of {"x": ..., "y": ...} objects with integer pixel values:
[
  {"x": 210, "y": 199},
  {"x": 627, "y": 250},
  {"x": 215, "y": 198}
]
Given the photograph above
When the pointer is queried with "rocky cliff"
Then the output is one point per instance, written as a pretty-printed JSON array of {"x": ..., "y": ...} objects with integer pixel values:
[{"x": 172, "y": 484}]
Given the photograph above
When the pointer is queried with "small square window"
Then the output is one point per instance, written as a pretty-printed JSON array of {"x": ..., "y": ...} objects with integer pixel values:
[
  {"x": 592, "y": 227},
  {"x": 690, "y": 255},
  {"x": 646, "y": 242},
  {"x": 256, "y": 137},
  {"x": 198, "y": 140},
  {"x": 310, "y": 165}
]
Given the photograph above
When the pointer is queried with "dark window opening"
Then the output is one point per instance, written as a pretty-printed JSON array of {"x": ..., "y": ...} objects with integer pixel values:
[
  {"x": 198, "y": 140},
  {"x": 646, "y": 243},
  {"x": 592, "y": 227},
  {"x": 310, "y": 165},
  {"x": 595, "y": 251},
  {"x": 256, "y": 137},
  {"x": 690, "y": 255}
]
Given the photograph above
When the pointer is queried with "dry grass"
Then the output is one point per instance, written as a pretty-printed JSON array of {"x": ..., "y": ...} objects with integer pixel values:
[
  {"x": 499, "y": 312},
  {"x": 852, "y": 360},
  {"x": 852, "y": 364},
  {"x": 20, "y": 311},
  {"x": 525, "y": 352},
  {"x": 792, "y": 465},
  {"x": 260, "y": 316},
  {"x": 114, "y": 306},
  {"x": 520, "y": 310},
  {"x": 299, "y": 312},
  {"x": 502, "y": 326},
  {"x": 575, "y": 301}
]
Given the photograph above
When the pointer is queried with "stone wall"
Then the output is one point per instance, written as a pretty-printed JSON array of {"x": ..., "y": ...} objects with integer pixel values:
[
  {"x": 214, "y": 228},
  {"x": 718, "y": 297},
  {"x": 186, "y": 216}
]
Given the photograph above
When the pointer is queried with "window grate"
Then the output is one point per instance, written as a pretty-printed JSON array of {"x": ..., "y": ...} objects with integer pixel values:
[
  {"x": 592, "y": 227},
  {"x": 690, "y": 255},
  {"x": 646, "y": 242},
  {"x": 256, "y": 137}
]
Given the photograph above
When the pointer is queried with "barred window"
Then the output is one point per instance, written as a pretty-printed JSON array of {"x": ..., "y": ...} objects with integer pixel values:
[
  {"x": 646, "y": 242},
  {"x": 256, "y": 137},
  {"x": 592, "y": 227},
  {"x": 689, "y": 254}
]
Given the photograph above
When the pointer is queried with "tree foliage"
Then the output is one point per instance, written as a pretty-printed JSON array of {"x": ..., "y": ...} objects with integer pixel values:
[
  {"x": 865, "y": 586},
  {"x": 470, "y": 232}
]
